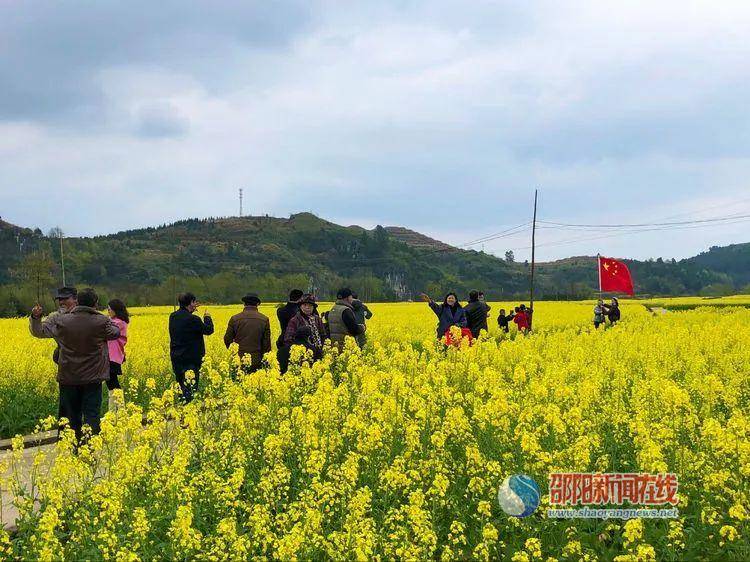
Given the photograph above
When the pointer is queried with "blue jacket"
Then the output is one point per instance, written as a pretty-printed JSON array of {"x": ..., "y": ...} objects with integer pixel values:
[{"x": 448, "y": 318}]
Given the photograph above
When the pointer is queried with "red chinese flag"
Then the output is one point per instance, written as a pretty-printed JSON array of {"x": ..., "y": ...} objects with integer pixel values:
[{"x": 614, "y": 277}]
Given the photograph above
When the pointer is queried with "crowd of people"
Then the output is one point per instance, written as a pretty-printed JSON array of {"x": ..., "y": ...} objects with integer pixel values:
[
  {"x": 472, "y": 318},
  {"x": 90, "y": 350},
  {"x": 91, "y": 346}
]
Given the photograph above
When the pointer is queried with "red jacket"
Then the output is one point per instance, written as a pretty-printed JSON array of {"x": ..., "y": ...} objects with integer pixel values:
[{"x": 522, "y": 320}]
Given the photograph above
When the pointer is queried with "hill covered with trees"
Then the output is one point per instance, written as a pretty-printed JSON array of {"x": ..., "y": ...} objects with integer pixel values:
[{"x": 221, "y": 259}]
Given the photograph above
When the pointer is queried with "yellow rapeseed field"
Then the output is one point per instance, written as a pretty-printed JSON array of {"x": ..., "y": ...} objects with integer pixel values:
[
  {"x": 28, "y": 390},
  {"x": 396, "y": 452}
]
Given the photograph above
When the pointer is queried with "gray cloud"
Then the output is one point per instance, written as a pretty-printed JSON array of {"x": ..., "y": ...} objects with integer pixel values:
[
  {"x": 161, "y": 120},
  {"x": 52, "y": 53},
  {"x": 439, "y": 116}
]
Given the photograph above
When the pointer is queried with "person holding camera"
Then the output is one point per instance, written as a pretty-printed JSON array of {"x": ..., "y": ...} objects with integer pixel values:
[{"x": 186, "y": 345}]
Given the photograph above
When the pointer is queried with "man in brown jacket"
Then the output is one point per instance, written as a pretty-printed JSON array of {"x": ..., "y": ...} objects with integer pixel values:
[
  {"x": 251, "y": 331},
  {"x": 83, "y": 365}
]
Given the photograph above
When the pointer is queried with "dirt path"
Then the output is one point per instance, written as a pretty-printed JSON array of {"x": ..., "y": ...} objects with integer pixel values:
[{"x": 8, "y": 512}]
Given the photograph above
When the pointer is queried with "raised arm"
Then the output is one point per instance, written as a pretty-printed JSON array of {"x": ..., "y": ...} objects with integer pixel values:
[
  {"x": 432, "y": 304},
  {"x": 42, "y": 328},
  {"x": 204, "y": 327}
]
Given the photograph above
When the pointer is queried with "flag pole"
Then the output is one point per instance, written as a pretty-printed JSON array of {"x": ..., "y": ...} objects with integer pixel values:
[
  {"x": 533, "y": 261},
  {"x": 599, "y": 271}
]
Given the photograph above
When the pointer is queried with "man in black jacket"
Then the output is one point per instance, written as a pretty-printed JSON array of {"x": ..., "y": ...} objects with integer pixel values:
[
  {"x": 476, "y": 314},
  {"x": 361, "y": 314},
  {"x": 186, "y": 345},
  {"x": 285, "y": 314}
]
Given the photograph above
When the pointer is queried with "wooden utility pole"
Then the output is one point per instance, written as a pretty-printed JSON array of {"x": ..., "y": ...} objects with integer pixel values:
[
  {"x": 62, "y": 257},
  {"x": 533, "y": 248},
  {"x": 174, "y": 291}
]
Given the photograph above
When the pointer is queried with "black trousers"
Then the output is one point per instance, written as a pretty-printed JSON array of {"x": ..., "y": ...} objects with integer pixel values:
[
  {"x": 282, "y": 354},
  {"x": 115, "y": 372},
  {"x": 82, "y": 405},
  {"x": 188, "y": 389}
]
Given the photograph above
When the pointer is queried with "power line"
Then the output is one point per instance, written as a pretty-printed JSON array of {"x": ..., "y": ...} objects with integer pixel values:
[
  {"x": 502, "y": 234},
  {"x": 648, "y": 224},
  {"x": 711, "y": 208},
  {"x": 738, "y": 220}
]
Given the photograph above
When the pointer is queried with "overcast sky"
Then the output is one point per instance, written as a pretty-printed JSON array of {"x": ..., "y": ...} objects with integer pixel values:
[{"x": 439, "y": 116}]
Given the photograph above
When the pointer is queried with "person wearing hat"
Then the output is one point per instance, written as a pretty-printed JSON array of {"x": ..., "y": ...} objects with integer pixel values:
[
  {"x": 341, "y": 319},
  {"x": 306, "y": 328},
  {"x": 66, "y": 300},
  {"x": 285, "y": 314},
  {"x": 82, "y": 335},
  {"x": 251, "y": 331}
]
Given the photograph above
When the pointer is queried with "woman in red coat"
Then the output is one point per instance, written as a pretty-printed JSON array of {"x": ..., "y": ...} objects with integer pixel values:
[{"x": 523, "y": 319}]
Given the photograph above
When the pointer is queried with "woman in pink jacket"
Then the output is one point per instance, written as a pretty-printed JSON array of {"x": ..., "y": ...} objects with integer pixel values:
[{"x": 119, "y": 314}]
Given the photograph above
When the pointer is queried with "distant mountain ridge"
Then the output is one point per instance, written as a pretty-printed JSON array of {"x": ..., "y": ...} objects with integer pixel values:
[{"x": 223, "y": 257}]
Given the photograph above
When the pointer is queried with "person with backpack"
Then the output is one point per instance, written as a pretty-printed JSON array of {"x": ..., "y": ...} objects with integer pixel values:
[
  {"x": 118, "y": 313},
  {"x": 341, "y": 319},
  {"x": 449, "y": 313},
  {"x": 186, "y": 345},
  {"x": 476, "y": 314}
]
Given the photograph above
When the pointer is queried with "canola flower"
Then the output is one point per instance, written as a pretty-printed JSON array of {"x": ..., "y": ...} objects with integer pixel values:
[
  {"x": 28, "y": 390},
  {"x": 397, "y": 451}
]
